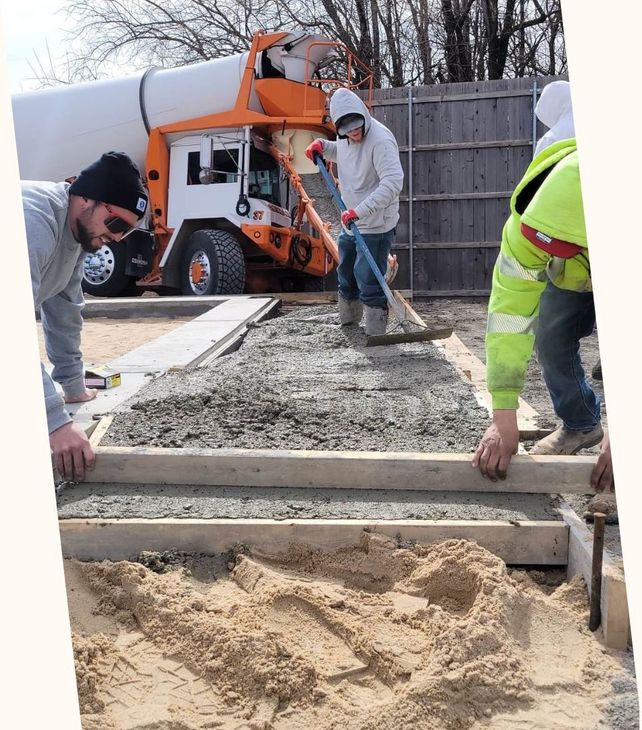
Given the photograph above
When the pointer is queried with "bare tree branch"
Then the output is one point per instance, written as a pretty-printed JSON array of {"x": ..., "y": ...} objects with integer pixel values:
[{"x": 402, "y": 41}]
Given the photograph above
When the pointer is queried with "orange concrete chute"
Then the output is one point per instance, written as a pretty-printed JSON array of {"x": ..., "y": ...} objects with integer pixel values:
[{"x": 313, "y": 217}]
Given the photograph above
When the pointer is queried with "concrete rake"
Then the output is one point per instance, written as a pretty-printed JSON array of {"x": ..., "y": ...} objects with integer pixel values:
[{"x": 409, "y": 327}]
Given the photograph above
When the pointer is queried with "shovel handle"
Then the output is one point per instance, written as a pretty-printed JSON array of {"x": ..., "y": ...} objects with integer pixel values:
[{"x": 361, "y": 244}]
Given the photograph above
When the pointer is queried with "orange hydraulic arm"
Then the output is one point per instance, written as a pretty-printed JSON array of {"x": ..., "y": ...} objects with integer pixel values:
[{"x": 313, "y": 217}]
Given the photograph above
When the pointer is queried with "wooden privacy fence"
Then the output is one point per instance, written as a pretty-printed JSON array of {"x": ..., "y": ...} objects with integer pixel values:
[{"x": 463, "y": 148}]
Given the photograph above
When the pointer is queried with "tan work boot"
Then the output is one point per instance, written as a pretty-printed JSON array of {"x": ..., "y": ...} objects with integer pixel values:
[
  {"x": 563, "y": 442},
  {"x": 350, "y": 311},
  {"x": 376, "y": 320}
]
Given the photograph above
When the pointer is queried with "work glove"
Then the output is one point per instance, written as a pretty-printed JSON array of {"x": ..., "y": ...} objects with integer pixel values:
[
  {"x": 316, "y": 146},
  {"x": 348, "y": 217}
]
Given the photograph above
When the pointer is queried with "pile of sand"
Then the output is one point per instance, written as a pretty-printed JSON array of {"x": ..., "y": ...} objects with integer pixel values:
[
  {"x": 375, "y": 636},
  {"x": 302, "y": 381}
]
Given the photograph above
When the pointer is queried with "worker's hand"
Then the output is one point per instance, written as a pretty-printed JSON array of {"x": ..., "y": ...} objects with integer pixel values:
[
  {"x": 498, "y": 445},
  {"x": 348, "y": 217},
  {"x": 602, "y": 475},
  {"x": 89, "y": 394},
  {"x": 73, "y": 454},
  {"x": 316, "y": 146}
]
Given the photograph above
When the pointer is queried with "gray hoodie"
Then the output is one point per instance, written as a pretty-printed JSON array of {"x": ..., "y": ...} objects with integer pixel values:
[
  {"x": 370, "y": 172},
  {"x": 56, "y": 262}
]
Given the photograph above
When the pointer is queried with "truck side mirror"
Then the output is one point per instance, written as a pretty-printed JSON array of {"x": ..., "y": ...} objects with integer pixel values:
[
  {"x": 207, "y": 152},
  {"x": 206, "y": 160}
]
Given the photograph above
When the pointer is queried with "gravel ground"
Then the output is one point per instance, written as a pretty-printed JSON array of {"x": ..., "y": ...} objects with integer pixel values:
[
  {"x": 113, "y": 501},
  {"x": 301, "y": 381},
  {"x": 468, "y": 318}
]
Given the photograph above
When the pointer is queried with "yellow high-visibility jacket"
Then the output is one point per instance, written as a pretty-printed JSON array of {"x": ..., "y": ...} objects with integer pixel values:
[{"x": 544, "y": 238}]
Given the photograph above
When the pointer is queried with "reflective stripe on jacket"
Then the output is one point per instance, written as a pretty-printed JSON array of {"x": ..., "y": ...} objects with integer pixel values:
[{"x": 548, "y": 199}]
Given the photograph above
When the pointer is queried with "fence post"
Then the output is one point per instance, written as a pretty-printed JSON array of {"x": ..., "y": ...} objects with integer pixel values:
[
  {"x": 534, "y": 117},
  {"x": 410, "y": 195}
]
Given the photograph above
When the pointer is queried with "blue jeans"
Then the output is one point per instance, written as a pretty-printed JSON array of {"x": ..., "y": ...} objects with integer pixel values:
[
  {"x": 355, "y": 278},
  {"x": 565, "y": 317}
]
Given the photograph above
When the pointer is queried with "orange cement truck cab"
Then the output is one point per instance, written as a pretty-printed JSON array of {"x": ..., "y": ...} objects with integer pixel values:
[{"x": 222, "y": 145}]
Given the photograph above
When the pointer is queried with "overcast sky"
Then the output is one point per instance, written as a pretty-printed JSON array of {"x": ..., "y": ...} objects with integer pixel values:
[{"x": 28, "y": 26}]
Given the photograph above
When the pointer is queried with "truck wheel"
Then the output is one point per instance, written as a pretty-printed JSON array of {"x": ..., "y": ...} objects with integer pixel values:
[
  {"x": 104, "y": 272},
  {"x": 213, "y": 263}
]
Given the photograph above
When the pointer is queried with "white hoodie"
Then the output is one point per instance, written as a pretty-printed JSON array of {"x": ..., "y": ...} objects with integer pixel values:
[
  {"x": 554, "y": 109},
  {"x": 370, "y": 172}
]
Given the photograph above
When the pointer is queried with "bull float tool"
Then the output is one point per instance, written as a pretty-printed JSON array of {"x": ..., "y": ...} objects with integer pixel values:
[{"x": 414, "y": 329}]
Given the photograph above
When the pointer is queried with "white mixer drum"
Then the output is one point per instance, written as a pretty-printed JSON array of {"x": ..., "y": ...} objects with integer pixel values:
[{"x": 63, "y": 129}]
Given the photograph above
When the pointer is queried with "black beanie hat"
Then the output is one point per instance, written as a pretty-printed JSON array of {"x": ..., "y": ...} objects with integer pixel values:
[{"x": 114, "y": 179}]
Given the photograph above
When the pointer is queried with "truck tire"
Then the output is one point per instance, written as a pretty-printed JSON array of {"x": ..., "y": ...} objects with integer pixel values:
[
  {"x": 213, "y": 263},
  {"x": 104, "y": 272}
]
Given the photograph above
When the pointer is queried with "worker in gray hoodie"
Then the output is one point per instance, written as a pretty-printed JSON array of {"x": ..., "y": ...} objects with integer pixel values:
[
  {"x": 63, "y": 222},
  {"x": 370, "y": 179}
]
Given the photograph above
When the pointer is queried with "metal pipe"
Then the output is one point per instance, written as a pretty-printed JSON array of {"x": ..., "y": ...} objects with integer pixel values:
[
  {"x": 247, "y": 160},
  {"x": 411, "y": 262},
  {"x": 534, "y": 117},
  {"x": 595, "y": 617}
]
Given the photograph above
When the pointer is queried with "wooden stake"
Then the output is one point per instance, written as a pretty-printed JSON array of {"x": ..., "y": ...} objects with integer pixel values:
[{"x": 595, "y": 617}]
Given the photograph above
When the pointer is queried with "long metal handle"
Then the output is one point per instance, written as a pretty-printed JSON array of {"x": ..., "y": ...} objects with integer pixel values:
[{"x": 361, "y": 244}]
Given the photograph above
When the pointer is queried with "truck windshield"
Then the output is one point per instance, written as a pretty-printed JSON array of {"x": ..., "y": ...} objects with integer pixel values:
[
  {"x": 224, "y": 167},
  {"x": 264, "y": 177}
]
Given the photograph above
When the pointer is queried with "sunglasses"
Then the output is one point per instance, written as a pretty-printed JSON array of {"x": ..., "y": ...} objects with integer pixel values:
[{"x": 116, "y": 224}]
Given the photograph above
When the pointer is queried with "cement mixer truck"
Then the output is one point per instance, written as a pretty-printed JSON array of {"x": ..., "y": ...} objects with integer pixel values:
[{"x": 222, "y": 146}]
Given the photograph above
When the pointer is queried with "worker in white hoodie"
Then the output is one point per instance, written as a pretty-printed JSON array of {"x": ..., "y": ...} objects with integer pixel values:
[
  {"x": 370, "y": 179},
  {"x": 554, "y": 109},
  {"x": 64, "y": 221}
]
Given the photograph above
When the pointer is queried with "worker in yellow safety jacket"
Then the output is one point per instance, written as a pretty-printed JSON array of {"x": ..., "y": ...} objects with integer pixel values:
[{"x": 542, "y": 296}]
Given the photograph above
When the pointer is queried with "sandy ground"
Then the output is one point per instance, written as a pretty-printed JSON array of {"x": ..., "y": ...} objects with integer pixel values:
[
  {"x": 151, "y": 501},
  {"x": 103, "y": 340},
  {"x": 372, "y": 637},
  {"x": 376, "y": 636}
]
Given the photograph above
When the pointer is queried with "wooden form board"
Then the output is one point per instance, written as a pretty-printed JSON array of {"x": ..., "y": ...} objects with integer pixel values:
[
  {"x": 137, "y": 307},
  {"x": 335, "y": 469},
  {"x": 190, "y": 343},
  {"x": 100, "y": 429},
  {"x": 613, "y": 602},
  {"x": 520, "y": 543}
]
